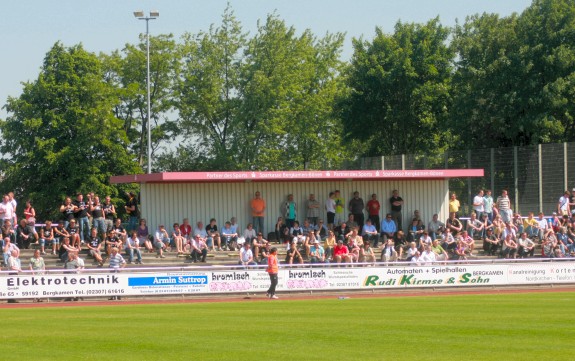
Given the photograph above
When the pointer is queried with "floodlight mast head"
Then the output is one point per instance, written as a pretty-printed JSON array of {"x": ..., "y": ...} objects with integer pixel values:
[
  {"x": 139, "y": 14},
  {"x": 154, "y": 14}
]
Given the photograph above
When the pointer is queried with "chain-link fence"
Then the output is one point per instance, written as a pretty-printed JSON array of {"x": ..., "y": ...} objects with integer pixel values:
[{"x": 535, "y": 176}]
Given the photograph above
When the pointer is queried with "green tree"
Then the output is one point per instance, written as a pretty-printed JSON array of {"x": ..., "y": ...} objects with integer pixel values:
[
  {"x": 399, "y": 90},
  {"x": 126, "y": 71},
  {"x": 289, "y": 86},
  {"x": 514, "y": 79},
  {"x": 61, "y": 135}
]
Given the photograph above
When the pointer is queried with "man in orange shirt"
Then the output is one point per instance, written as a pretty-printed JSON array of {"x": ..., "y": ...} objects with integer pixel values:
[
  {"x": 258, "y": 206},
  {"x": 273, "y": 270}
]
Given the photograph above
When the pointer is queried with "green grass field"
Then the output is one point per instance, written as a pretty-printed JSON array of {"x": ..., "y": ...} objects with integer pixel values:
[{"x": 527, "y": 326}]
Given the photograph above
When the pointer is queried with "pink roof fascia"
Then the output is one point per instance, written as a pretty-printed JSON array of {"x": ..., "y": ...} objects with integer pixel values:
[{"x": 284, "y": 176}]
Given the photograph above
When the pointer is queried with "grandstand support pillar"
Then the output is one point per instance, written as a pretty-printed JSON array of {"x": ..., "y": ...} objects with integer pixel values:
[
  {"x": 540, "y": 183},
  {"x": 383, "y": 162},
  {"x": 403, "y": 162},
  {"x": 515, "y": 179},
  {"x": 565, "y": 168}
]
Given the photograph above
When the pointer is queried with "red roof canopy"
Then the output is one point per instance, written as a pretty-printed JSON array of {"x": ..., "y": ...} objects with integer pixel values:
[{"x": 301, "y": 176}]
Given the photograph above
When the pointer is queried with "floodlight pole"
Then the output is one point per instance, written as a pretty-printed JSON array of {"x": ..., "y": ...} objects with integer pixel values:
[{"x": 152, "y": 16}]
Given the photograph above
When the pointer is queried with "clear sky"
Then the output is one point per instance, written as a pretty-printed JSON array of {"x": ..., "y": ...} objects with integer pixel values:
[{"x": 29, "y": 28}]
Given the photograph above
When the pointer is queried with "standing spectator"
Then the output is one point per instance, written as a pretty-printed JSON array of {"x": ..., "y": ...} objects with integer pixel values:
[
  {"x": 97, "y": 211},
  {"x": 563, "y": 206},
  {"x": 289, "y": 210},
  {"x": 479, "y": 204},
  {"x": 29, "y": 211},
  {"x": 396, "y": 202},
  {"x": 339, "y": 207},
  {"x": 81, "y": 210},
  {"x": 109, "y": 213},
  {"x": 356, "y": 207},
  {"x": 504, "y": 206},
  {"x": 373, "y": 208},
  {"x": 454, "y": 205},
  {"x": 273, "y": 270},
  {"x": 312, "y": 209},
  {"x": 258, "y": 207},
  {"x": 488, "y": 204},
  {"x": 116, "y": 263},
  {"x": 14, "y": 204},
  {"x": 131, "y": 208},
  {"x": 7, "y": 210},
  {"x": 67, "y": 210},
  {"x": 330, "y": 210}
]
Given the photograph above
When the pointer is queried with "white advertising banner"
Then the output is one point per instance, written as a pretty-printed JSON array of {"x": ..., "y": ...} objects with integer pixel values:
[{"x": 133, "y": 283}]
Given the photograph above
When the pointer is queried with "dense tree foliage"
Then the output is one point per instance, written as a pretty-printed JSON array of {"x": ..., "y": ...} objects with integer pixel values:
[
  {"x": 62, "y": 136},
  {"x": 399, "y": 89}
]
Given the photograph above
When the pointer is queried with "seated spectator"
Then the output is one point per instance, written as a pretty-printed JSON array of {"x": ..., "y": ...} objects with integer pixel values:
[
  {"x": 264, "y": 254},
  {"x": 307, "y": 227},
  {"x": 369, "y": 233},
  {"x": 25, "y": 235},
  {"x": 201, "y": 231},
  {"x": 8, "y": 231},
  {"x": 491, "y": 243},
  {"x": 46, "y": 236},
  {"x": 565, "y": 241},
  {"x": 178, "y": 238},
  {"x": 116, "y": 260},
  {"x": 526, "y": 246},
  {"x": 415, "y": 230},
  {"x": 229, "y": 237},
  {"x": 509, "y": 247},
  {"x": 144, "y": 236},
  {"x": 518, "y": 223},
  {"x": 74, "y": 232},
  {"x": 74, "y": 262},
  {"x": 185, "y": 229},
  {"x": 133, "y": 247},
  {"x": 424, "y": 240},
  {"x": 65, "y": 249},
  {"x": 460, "y": 251},
  {"x": 441, "y": 255},
  {"x": 389, "y": 252},
  {"x": 341, "y": 253},
  {"x": 354, "y": 243},
  {"x": 59, "y": 233},
  {"x": 427, "y": 257},
  {"x": 366, "y": 254},
  {"x": 411, "y": 252},
  {"x": 434, "y": 226},
  {"x": 213, "y": 235},
  {"x": 388, "y": 228},
  {"x": 161, "y": 241},
  {"x": 258, "y": 243},
  {"x": 296, "y": 233},
  {"x": 198, "y": 249},
  {"x": 119, "y": 231},
  {"x": 341, "y": 231},
  {"x": 448, "y": 242},
  {"x": 351, "y": 223},
  {"x": 330, "y": 243},
  {"x": 94, "y": 244},
  {"x": 309, "y": 242},
  {"x": 487, "y": 224},
  {"x": 400, "y": 243},
  {"x": 453, "y": 224},
  {"x": 112, "y": 241},
  {"x": 282, "y": 231},
  {"x": 316, "y": 252},
  {"x": 250, "y": 233},
  {"x": 8, "y": 249},
  {"x": 530, "y": 226},
  {"x": 321, "y": 231},
  {"x": 474, "y": 226},
  {"x": 468, "y": 241},
  {"x": 293, "y": 255},
  {"x": 37, "y": 266}
]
